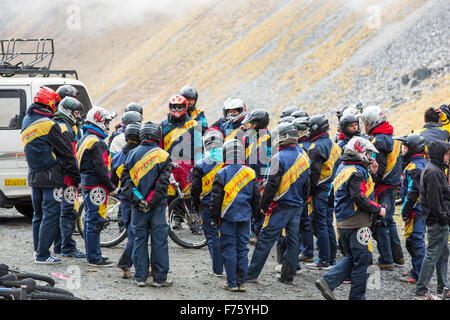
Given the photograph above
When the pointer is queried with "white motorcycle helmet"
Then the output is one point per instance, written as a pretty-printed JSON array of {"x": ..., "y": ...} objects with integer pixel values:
[
  {"x": 372, "y": 117},
  {"x": 234, "y": 104},
  {"x": 100, "y": 118},
  {"x": 361, "y": 148}
]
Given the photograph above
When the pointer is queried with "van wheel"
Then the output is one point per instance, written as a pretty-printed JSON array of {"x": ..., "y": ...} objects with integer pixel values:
[{"x": 25, "y": 208}]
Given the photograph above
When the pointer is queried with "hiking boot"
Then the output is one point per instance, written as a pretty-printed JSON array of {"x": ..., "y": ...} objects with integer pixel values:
[
  {"x": 76, "y": 254},
  {"x": 426, "y": 296},
  {"x": 318, "y": 265},
  {"x": 50, "y": 260},
  {"x": 232, "y": 289},
  {"x": 388, "y": 266},
  {"x": 400, "y": 261},
  {"x": 252, "y": 280},
  {"x": 166, "y": 283},
  {"x": 101, "y": 263},
  {"x": 408, "y": 279},
  {"x": 126, "y": 273},
  {"x": 141, "y": 284},
  {"x": 284, "y": 280},
  {"x": 242, "y": 287},
  {"x": 327, "y": 293},
  {"x": 303, "y": 258},
  {"x": 278, "y": 269}
]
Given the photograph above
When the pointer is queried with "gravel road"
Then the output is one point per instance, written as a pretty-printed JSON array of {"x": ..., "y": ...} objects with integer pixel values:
[{"x": 189, "y": 269}]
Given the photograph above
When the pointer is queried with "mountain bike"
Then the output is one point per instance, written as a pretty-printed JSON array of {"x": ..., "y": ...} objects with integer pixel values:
[{"x": 113, "y": 231}]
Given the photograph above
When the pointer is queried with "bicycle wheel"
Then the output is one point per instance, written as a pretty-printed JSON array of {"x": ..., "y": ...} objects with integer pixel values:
[
  {"x": 114, "y": 231},
  {"x": 185, "y": 229}
]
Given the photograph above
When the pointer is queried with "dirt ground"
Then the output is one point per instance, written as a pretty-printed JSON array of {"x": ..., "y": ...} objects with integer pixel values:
[{"x": 189, "y": 269}]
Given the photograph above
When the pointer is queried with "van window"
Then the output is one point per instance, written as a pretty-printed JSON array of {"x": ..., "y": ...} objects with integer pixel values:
[{"x": 12, "y": 109}]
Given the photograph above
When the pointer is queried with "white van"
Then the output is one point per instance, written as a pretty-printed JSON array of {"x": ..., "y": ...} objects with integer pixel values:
[{"x": 18, "y": 86}]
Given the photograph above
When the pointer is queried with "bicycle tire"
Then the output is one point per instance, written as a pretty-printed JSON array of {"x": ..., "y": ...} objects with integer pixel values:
[
  {"x": 175, "y": 235},
  {"x": 39, "y": 277},
  {"x": 53, "y": 290},
  {"x": 38, "y": 295},
  {"x": 103, "y": 243}
]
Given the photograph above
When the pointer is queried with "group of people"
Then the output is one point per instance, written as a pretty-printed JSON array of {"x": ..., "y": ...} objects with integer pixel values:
[{"x": 287, "y": 186}]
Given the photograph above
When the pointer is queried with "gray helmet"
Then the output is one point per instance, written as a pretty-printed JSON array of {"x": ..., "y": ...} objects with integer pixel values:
[
  {"x": 68, "y": 106},
  {"x": 288, "y": 111},
  {"x": 345, "y": 121},
  {"x": 150, "y": 131},
  {"x": 133, "y": 106},
  {"x": 131, "y": 116},
  {"x": 372, "y": 117},
  {"x": 302, "y": 125},
  {"x": 213, "y": 139},
  {"x": 284, "y": 133},
  {"x": 233, "y": 150},
  {"x": 234, "y": 104},
  {"x": 359, "y": 147},
  {"x": 132, "y": 132}
]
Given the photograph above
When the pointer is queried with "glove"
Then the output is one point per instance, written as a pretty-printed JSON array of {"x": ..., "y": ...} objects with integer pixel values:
[{"x": 143, "y": 206}]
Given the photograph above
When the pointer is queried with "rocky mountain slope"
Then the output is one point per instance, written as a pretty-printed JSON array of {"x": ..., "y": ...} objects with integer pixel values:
[{"x": 317, "y": 55}]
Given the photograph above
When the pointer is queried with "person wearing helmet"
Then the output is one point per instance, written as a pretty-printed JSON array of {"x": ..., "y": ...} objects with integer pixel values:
[
  {"x": 182, "y": 139},
  {"x": 289, "y": 119},
  {"x": 285, "y": 193},
  {"x": 234, "y": 200},
  {"x": 133, "y": 106},
  {"x": 352, "y": 196},
  {"x": 68, "y": 116},
  {"x": 288, "y": 112},
  {"x": 94, "y": 160},
  {"x": 258, "y": 152},
  {"x": 49, "y": 159},
  {"x": 324, "y": 154},
  {"x": 414, "y": 161},
  {"x": 306, "y": 253},
  {"x": 235, "y": 111},
  {"x": 132, "y": 138},
  {"x": 117, "y": 140},
  {"x": 194, "y": 113},
  {"x": 387, "y": 179},
  {"x": 67, "y": 90},
  {"x": 203, "y": 175},
  {"x": 299, "y": 114},
  {"x": 145, "y": 181}
]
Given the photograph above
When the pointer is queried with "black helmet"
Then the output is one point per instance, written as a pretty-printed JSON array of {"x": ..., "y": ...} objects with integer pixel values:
[
  {"x": 132, "y": 131},
  {"x": 299, "y": 114},
  {"x": 233, "y": 150},
  {"x": 347, "y": 120},
  {"x": 133, "y": 106},
  {"x": 189, "y": 93},
  {"x": 288, "y": 111},
  {"x": 67, "y": 90},
  {"x": 288, "y": 119},
  {"x": 150, "y": 131},
  {"x": 446, "y": 109},
  {"x": 259, "y": 116},
  {"x": 414, "y": 142},
  {"x": 68, "y": 107},
  {"x": 131, "y": 116},
  {"x": 302, "y": 126},
  {"x": 318, "y": 124},
  {"x": 285, "y": 133},
  {"x": 213, "y": 139}
]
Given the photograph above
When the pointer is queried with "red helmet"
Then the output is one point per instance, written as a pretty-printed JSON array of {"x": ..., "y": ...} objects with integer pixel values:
[
  {"x": 47, "y": 97},
  {"x": 178, "y": 106}
]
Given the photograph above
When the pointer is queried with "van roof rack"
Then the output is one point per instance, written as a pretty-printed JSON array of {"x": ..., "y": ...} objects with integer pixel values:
[{"x": 30, "y": 57}]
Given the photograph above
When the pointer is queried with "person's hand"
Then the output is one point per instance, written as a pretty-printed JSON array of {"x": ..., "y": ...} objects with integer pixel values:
[
  {"x": 143, "y": 206},
  {"x": 382, "y": 212},
  {"x": 439, "y": 112},
  {"x": 373, "y": 167}
]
